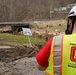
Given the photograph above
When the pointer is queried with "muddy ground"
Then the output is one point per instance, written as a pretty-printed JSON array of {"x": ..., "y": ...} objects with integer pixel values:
[
  {"x": 18, "y": 61},
  {"x": 23, "y": 66}
]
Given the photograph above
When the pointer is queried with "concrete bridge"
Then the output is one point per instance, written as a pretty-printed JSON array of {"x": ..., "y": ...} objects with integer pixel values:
[{"x": 16, "y": 26}]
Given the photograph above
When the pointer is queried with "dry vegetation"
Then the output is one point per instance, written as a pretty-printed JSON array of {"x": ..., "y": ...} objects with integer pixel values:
[{"x": 18, "y": 10}]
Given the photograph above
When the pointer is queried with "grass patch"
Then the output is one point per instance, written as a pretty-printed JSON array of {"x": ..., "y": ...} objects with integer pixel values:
[
  {"x": 62, "y": 28},
  {"x": 35, "y": 25},
  {"x": 17, "y": 39}
]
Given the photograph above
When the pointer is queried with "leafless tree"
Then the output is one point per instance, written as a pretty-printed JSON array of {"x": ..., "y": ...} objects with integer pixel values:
[{"x": 18, "y": 10}]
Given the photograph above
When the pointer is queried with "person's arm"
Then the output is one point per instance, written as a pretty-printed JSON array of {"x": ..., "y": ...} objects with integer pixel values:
[{"x": 43, "y": 55}]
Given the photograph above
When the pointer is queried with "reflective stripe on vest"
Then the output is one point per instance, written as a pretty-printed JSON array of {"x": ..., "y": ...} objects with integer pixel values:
[
  {"x": 55, "y": 60},
  {"x": 57, "y": 55}
]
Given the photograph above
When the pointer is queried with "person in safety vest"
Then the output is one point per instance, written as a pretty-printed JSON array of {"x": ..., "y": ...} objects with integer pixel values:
[{"x": 58, "y": 56}]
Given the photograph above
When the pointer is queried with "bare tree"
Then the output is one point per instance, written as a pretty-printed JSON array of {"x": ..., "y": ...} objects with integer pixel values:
[{"x": 18, "y": 10}]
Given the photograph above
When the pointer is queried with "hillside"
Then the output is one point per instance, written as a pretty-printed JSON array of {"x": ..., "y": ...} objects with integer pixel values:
[{"x": 18, "y": 10}]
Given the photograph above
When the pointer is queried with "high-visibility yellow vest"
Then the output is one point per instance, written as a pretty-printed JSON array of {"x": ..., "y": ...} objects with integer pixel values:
[{"x": 62, "y": 59}]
